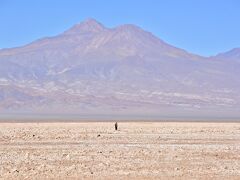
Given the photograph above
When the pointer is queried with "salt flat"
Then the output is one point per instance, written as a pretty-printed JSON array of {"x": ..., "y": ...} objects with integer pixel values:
[{"x": 138, "y": 150}]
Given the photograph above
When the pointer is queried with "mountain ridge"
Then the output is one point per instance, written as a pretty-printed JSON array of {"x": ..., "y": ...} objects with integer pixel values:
[{"x": 93, "y": 21}]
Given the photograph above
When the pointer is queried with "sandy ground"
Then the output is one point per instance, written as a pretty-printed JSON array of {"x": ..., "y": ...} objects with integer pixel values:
[{"x": 136, "y": 151}]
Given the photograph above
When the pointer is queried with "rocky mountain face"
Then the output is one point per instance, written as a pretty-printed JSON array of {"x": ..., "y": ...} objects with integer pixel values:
[{"x": 92, "y": 69}]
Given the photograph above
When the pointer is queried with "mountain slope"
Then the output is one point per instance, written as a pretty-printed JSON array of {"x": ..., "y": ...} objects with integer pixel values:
[
  {"x": 93, "y": 68},
  {"x": 233, "y": 55}
]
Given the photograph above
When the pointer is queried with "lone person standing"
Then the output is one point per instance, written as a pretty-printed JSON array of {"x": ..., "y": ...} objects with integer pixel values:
[{"x": 116, "y": 126}]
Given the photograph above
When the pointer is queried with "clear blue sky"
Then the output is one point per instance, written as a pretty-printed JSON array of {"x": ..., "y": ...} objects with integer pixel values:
[{"x": 205, "y": 27}]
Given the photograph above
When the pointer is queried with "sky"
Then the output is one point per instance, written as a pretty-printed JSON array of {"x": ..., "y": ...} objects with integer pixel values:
[{"x": 204, "y": 27}]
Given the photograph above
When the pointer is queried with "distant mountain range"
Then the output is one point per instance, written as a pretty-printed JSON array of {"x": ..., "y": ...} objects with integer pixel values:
[{"x": 93, "y": 69}]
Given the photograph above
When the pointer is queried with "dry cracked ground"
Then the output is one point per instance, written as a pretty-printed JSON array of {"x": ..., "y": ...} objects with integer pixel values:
[{"x": 139, "y": 150}]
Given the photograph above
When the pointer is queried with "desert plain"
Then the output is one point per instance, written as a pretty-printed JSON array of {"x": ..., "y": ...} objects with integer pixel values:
[{"x": 138, "y": 150}]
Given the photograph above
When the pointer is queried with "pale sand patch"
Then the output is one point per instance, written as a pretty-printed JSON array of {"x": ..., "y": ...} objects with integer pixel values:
[{"x": 137, "y": 151}]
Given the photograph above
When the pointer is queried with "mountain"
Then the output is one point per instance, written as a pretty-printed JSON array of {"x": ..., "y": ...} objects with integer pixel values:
[
  {"x": 233, "y": 55},
  {"x": 90, "y": 68}
]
